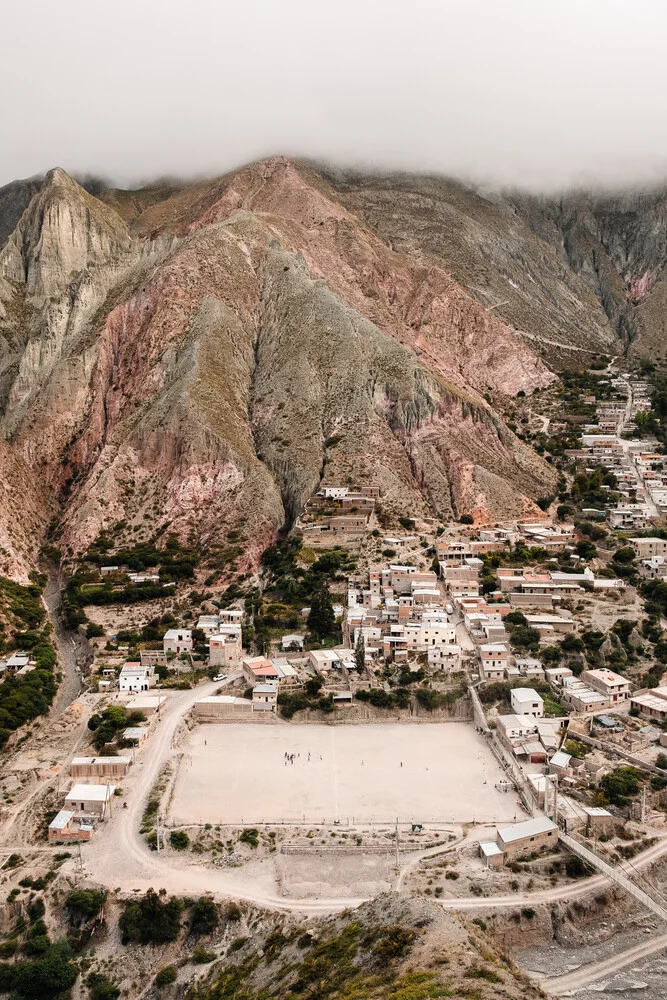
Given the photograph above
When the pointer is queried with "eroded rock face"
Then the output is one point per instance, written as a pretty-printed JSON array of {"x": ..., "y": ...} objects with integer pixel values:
[{"x": 202, "y": 357}]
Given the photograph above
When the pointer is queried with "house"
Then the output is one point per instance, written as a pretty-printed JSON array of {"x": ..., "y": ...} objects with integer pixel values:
[
  {"x": 225, "y": 649},
  {"x": 648, "y": 547},
  {"x": 258, "y": 670},
  {"x": 334, "y": 492},
  {"x": 65, "y": 828},
  {"x": 582, "y": 698},
  {"x": 323, "y": 660},
  {"x": 265, "y": 697},
  {"x": 134, "y": 677},
  {"x": 230, "y": 616},
  {"x": 560, "y": 763},
  {"x": 494, "y": 657},
  {"x": 177, "y": 640},
  {"x": 208, "y": 624},
  {"x": 515, "y": 728},
  {"x": 445, "y": 657},
  {"x": 528, "y": 666},
  {"x": 135, "y": 734},
  {"x": 100, "y": 767},
  {"x": 526, "y": 701},
  {"x": 651, "y": 704},
  {"x": 525, "y": 838},
  {"x": 614, "y": 687},
  {"x": 90, "y": 800}
]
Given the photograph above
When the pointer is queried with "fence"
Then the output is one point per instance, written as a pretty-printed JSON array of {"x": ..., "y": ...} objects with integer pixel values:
[{"x": 336, "y": 823}]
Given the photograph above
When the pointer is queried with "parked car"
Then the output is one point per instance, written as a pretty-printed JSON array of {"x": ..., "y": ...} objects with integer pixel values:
[{"x": 220, "y": 677}]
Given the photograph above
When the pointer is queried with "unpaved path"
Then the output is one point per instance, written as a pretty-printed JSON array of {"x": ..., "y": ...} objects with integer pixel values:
[{"x": 572, "y": 982}]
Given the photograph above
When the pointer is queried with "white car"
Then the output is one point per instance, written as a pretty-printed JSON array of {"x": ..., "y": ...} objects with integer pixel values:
[{"x": 220, "y": 677}]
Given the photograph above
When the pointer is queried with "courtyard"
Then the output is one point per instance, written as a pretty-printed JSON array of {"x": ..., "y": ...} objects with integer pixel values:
[{"x": 349, "y": 774}]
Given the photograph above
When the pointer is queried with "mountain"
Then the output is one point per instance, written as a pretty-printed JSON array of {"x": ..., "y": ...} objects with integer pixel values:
[{"x": 200, "y": 356}]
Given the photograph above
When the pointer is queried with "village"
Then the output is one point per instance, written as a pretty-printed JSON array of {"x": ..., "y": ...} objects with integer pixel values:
[{"x": 456, "y": 703}]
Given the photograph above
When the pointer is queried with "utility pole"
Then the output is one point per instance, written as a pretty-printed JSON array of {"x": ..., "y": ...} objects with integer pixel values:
[{"x": 644, "y": 804}]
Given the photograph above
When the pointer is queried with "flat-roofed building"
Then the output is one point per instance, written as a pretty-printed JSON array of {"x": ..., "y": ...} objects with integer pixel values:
[
  {"x": 647, "y": 547},
  {"x": 491, "y": 854},
  {"x": 494, "y": 657},
  {"x": 651, "y": 704},
  {"x": 177, "y": 640},
  {"x": 612, "y": 685},
  {"x": 218, "y": 708},
  {"x": 135, "y": 677},
  {"x": 445, "y": 657},
  {"x": 89, "y": 800},
  {"x": 66, "y": 828},
  {"x": 526, "y": 701},
  {"x": 265, "y": 697},
  {"x": 225, "y": 649},
  {"x": 146, "y": 704},
  {"x": 524, "y": 838},
  {"x": 100, "y": 767}
]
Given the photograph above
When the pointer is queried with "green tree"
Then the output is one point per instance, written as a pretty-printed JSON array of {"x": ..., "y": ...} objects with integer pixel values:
[
  {"x": 321, "y": 619},
  {"x": 360, "y": 652},
  {"x": 624, "y": 555}
]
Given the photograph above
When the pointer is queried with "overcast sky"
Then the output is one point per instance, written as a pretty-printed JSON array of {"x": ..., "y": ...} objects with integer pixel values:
[{"x": 531, "y": 92}]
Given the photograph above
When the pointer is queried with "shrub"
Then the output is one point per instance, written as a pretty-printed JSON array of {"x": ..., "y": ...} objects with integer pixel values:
[
  {"x": 101, "y": 988},
  {"x": 576, "y": 867},
  {"x": 233, "y": 912},
  {"x": 250, "y": 836},
  {"x": 150, "y": 920},
  {"x": 528, "y": 912},
  {"x": 166, "y": 976},
  {"x": 392, "y": 942},
  {"x": 480, "y": 923},
  {"x": 202, "y": 957},
  {"x": 204, "y": 918},
  {"x": 179, "y": 840},
  {"x": 84, "y": 904}
]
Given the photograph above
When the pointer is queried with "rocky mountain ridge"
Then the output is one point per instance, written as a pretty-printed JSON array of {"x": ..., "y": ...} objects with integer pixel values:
[{"x": 200, "y": 356}]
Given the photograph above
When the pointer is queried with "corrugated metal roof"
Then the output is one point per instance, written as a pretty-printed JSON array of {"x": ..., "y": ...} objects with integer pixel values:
[{"x": 531, "y": 828}]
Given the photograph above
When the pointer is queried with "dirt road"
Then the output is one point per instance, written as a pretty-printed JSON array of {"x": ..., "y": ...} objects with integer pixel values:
[
  {"x": 572, "y": 982},
  {"x": 118, "y": 855},
  {"x": 563, "y": 892}
]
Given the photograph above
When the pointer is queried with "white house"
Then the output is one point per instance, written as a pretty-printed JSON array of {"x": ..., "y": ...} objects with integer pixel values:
[
  {"x": 177, "y": 640},
  {"x": 446, "y": 657},
  {"x": 89, "y": 800},
  {"x": 135, "y": 677},
  {"x": 526, "y": 701}
]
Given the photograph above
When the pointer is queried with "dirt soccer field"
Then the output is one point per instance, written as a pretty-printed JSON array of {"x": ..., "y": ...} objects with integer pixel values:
[{"x": 356, "y": 774}]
